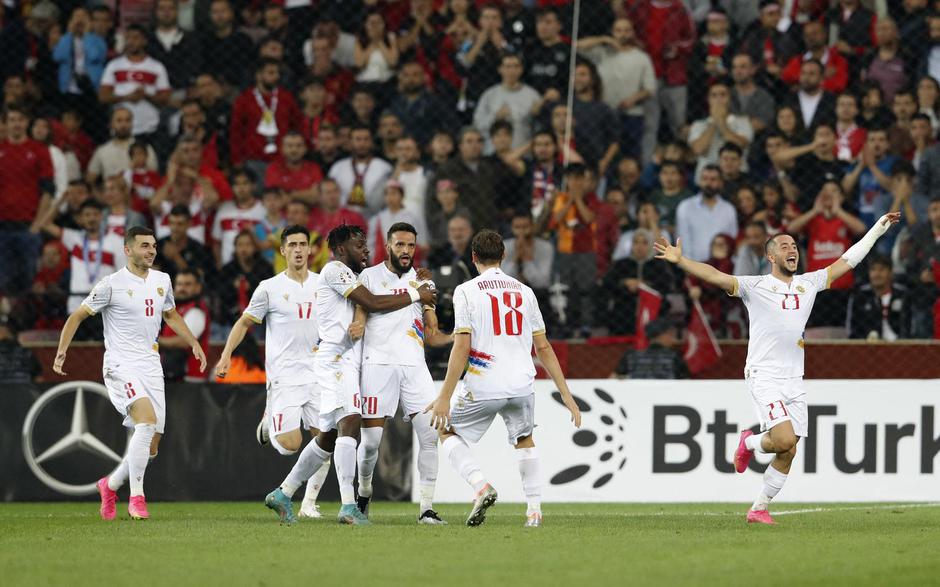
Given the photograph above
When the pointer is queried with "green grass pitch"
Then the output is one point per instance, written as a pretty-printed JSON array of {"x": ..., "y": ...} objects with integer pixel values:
[{"x": 237, "y": 544}]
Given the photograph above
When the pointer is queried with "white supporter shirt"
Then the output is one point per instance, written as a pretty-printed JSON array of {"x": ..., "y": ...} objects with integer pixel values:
[
  {"x": 230, "y": 220},
  {"x": 86, "y": 269},
  {"x": 288, "y": 309},
  {"x": 197, "y": 222},
  {"x": 501, "y": 316},
  {"x": 334, "y": 311},
  {"x": 777, "y": 314},
  {"x": 132, "y": 310},
  {"x": 381, "y": 222},
  {"x": 125, "y": 76},
  {"x": 393, "y": 338}
]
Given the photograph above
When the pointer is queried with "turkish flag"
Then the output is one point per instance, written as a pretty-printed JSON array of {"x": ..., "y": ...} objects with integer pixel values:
[
  {"x": 701, "y": 347},
  {"x": 648, "y": 304}
]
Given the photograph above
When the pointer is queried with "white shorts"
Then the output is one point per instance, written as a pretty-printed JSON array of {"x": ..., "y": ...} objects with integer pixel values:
[
  {"x": 338, "y": 379},
  {"x": 126, "y": 387},
  {"x": 289, "y": 406},
  {"x": 470, "y": 418},
  {"x": 385, "y": 386},
  {"x": 780, "y": 400}
]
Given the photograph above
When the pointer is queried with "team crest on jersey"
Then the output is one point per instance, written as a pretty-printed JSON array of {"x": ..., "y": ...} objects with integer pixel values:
[
  {"x": 286, "y": 297},
  {"x": 159, "y": 291},
  {"x": 774, "y": 287},
  {"x": 130, "y": 293},
  {"x": 801, "y": 289}
]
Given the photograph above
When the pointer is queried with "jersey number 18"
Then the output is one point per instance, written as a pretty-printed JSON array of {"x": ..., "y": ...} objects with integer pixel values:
[{"x": 512, "y": 319}]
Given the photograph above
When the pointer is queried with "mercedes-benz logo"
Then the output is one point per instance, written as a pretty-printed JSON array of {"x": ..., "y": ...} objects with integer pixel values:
[{"x": 78, "y": 438}]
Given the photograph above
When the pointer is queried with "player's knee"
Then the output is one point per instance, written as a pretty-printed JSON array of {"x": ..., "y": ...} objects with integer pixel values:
[
  {"x": 785, "y": 445},
  {"x": 287, "y": 444}
]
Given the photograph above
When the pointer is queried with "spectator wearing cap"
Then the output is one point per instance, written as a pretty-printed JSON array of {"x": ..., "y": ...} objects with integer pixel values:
[
  {"x": 660, "y": 360},
  {"x": 881, "y": 308},
  {"x": 836, "y": 68},
  {"x": 394, "y": 212},
  {"x": 448, "y": 206}
]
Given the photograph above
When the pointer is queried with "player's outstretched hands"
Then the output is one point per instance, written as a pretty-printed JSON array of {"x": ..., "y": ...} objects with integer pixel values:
[
  {"x": 440, "y": 414},
  {"x": 201, "y": 355},
  {"x": 888, "y": 220},
  {"x": 356, "y": 330},
  {"x": 668, "y": 252},
  {"x": 225, "y": 363},
  {"x": 59, "y": 363}
]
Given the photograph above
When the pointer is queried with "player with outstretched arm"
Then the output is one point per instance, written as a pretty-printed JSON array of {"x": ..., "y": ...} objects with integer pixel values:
[
  {"x": 496, "y": 321},
  {"x": 133, "y": 302},
  {"x": 778, "y": 306}
]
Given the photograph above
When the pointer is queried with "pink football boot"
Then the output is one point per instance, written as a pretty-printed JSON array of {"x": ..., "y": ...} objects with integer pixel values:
[
  {"x": 759, "y": 517},
  {"x": 108, "y": 499},
  {"x": 137, "y": 508},
  {"x": 743, "y": 455}
]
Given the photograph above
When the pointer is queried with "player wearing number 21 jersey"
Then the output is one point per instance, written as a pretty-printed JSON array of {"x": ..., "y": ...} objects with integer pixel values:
[
  {"x": 496, "y": 321},
  {"x": 778, "y": 306},
  {"x": 133, "y": 302}
]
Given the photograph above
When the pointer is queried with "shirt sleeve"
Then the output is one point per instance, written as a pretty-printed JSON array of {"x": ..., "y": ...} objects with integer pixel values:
[
  {"x": 99, "y": 297},
  {"x": 169, "y": 302},
  {"x": 107, "y": 78},
  {"x": 819, "y": 279},
  {"x": 462, "y": 320},
  {"x": 258, "y": 306},
  {"x": 340, "y": 278},
  {"x": 535, "y": 314},
  {"x": 217, "y": 225},
  {"x": 744, "y": 284},
  {"x": 163, "y": 80}
]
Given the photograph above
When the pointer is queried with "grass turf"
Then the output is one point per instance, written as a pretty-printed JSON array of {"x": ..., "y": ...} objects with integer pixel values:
[{"x": 580, "y": 545}]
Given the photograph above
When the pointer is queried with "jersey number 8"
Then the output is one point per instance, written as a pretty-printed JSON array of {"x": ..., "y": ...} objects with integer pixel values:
[{"x": 512, "y": 319}]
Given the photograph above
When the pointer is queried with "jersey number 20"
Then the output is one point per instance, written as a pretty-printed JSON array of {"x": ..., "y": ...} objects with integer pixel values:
[{"x": 511, "y": 319}]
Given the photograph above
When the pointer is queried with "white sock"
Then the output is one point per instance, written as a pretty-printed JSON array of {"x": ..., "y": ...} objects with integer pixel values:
[
  {"x": 531, "y": 475},
  {"x": 117, "y": 477},
  {"x": 753, "y": 442},
  {"x": 315, "y": 483},
  {"x": 344, "y": 458},
  {"x": 138, "y": 456},
  {"x": 458, "y": 453},
  {"x": 773, "y": 483},
  {"x": 366, "y": 456},
  {"x": 427, "y": 459},
  {"x": 310, "y": 459}
]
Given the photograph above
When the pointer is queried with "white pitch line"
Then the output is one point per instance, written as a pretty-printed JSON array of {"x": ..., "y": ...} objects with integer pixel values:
[{"x": 899, "y": 506}]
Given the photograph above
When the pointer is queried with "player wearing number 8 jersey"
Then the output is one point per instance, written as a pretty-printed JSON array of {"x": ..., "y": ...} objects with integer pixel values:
[
  {"x": 778, "y": 306},
  {"x": 286, "y": 303},
  {"x": 496, "y": 321},
  {"x": 133, "y": 302}
]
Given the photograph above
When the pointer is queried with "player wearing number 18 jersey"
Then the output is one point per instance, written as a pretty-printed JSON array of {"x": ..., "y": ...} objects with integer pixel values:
[
  {"x": 496, "y": 321},
  {"x": 133, "y": 302},
  {"x": 778, "y": 306}
]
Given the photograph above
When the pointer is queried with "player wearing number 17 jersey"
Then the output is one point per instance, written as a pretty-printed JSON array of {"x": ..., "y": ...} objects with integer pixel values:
[
  {"x": 496, "y": 321},
  {"x": 778, "y": 306},
  {"x": 133, "y": 302}
]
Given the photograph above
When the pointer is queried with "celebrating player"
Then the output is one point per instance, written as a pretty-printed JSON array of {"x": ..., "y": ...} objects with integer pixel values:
[
  {"x": 132, "y": 302},
  {"x": 496, "y": 320},
  {"x": 286, "y": 304},
  {"x": 394, "y": 370},
  {"x": 778, "y": 306},
  {"x": 336, "y": 366}
]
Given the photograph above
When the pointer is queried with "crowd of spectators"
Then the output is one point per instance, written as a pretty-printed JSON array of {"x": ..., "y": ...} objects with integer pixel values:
[{"x": 219, "y": 122}]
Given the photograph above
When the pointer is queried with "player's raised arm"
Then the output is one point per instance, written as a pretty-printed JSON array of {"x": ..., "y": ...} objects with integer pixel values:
[
  {"x": 705, "y": 272},
  {"x": 546, "y": 354},
  {"x": 179, "y": 326},
  {"x": 859, "y": 250}
]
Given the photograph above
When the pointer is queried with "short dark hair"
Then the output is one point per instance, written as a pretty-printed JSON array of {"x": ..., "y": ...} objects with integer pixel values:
[
  {"x": 731, "y": 148},
  {"x": 488, "y": 246},
  {"x": 196, "y": 273},
  {"x": 772, "y": 240},
  {"x": 138, "y": 146},
  {"x": 133, "y": 232},
  {"x": 576, "y": 169},
  {"x": 299, "y": 202},
  {"x": 712, "y": 167},
  {"x": 342, "y": 234},
  {"x": 815, "y": 62},
  {"x": 18, "y": 108},
  {"x": 880, "y": 259},
  {"x": 91, "y": 203},
  {"x": 266, "y": 61},
  {"x": 400, "y": 227},
  {"x": 243, "y": 171},
  {"x": 181, "y": 210},
  {"x": 547, "y": 11},
  {"x": 137, "y": 28},
  {"x": 357, "y": 127},
  {"x": 921, "y": 116},
  {"x": 294, "y": 229},
  {"x": 671, "y": 163},
  {"x": 499, "y": 125}
]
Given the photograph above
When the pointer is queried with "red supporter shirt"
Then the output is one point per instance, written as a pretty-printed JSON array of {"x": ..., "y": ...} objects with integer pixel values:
[
  {"x": 654, "y": 35},
  {"x": 279, "y": 175},
  {"x": 245, "y": 143},
  {"x": 22, "y": 167},
  {"x": 323, "y": 222},
  {"x": 829, "y": 239}
]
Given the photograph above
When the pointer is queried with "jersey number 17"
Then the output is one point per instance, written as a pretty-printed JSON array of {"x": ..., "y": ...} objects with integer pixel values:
[{"x": 512, "y": 319}]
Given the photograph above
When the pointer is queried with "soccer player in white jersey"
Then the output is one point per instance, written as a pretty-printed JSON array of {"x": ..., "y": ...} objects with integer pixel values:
[
  {"x": 394, "y": 370},
  {"x": 287, "y": 303},
  {"x": 336, "y": 367},
  {"x": 133, "y": 301},
  {"x": 778, "y": 306},
  {"x": 496, "y": 321}
]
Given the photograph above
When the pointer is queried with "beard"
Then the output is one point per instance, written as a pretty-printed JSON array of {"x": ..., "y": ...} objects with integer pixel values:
[
  {"x": 397, "y": 264},
  {"x": 710, "y": 192}
]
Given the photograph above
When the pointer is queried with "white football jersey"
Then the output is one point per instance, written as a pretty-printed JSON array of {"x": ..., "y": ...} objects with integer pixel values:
[
  {"x": 501, "y": 315},
  {"x": 132, "y": 310},
  {"x": 231, "y": 220},
  {"x": 777, "y": 314},
  {"x": 393, "y": 338},
  {"x": 334, "y": 311},
  {"x": 288, "y": 309}
]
